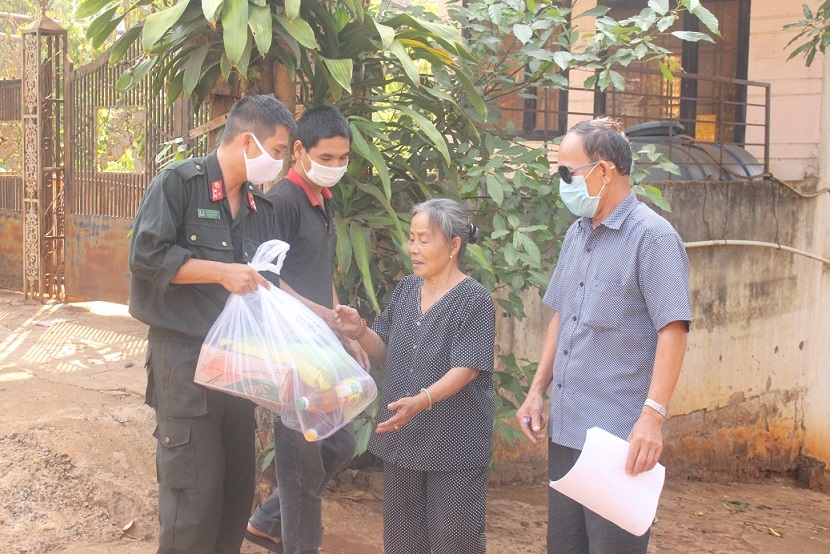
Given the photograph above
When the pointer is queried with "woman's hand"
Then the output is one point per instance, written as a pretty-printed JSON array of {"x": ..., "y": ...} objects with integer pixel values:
[
  {"x": 348, "y": 319},
  {"x": 404, "y": 410}
]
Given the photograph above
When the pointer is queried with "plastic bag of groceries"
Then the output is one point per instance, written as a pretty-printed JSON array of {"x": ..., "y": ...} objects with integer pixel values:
[{"x": 267, "y": 346}]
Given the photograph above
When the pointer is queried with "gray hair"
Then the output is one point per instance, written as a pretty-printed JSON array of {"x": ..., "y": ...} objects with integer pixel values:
[
  {"x": 603, "y": 139},
  {"x": 449, "y": 217}
]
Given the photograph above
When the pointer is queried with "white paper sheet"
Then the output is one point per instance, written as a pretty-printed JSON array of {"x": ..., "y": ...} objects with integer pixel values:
[{"x": 599, "y": 482}]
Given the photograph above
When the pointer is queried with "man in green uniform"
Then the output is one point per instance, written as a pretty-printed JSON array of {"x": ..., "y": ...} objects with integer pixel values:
[{"x": 198, "y": 224}]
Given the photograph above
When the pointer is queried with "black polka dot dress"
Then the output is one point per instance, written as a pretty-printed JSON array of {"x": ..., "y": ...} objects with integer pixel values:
[{"x": 435, "y": 466}]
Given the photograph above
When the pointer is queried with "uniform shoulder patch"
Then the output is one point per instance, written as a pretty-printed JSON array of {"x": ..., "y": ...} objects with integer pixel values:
[{"x": 188, "y": 169}]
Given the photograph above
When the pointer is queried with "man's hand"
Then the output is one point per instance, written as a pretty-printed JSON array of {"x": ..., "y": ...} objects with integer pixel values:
[
  {"x": 646, "y": 440},
  {"x": 356, "y": 351},
  {"x": 242, "y": 279},
  {"x": 327, "y": 315},
  {"x": 531, "y": 419}
]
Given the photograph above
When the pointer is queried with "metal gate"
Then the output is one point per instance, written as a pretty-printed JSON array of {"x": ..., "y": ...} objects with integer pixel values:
[
  {"x": 11, "y": 186},
  {"x": 76, "y": 155},
  {"x": 112, "y": 141}
]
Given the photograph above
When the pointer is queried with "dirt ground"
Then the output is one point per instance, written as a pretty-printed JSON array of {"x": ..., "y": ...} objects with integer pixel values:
[{"x": 77, "y": 470}]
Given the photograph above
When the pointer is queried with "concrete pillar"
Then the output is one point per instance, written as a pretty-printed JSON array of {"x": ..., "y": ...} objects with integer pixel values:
[{"x": 817, "y": 405}]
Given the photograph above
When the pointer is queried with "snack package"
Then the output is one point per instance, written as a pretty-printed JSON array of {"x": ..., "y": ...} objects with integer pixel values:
[{"x": 267, "y": 346}]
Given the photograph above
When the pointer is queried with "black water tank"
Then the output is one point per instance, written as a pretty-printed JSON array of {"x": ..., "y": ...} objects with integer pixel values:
[{"x": 697, "y": 160}]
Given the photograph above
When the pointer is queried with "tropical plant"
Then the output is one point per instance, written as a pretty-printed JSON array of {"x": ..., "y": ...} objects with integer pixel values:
[
  {"x": 423, "y": 102},
  {"x": 815, "y": 27}
]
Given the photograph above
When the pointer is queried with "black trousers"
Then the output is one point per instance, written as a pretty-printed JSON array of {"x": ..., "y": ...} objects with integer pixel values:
[
  {"x": 205, "y": 456},
  {"x": 573, "y": 528},
  {"x": 434, "y": 512}
]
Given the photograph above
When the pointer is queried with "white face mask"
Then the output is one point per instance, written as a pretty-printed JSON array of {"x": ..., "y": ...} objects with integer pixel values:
[
  {"x": 324, "y": 175},
  {"x": 576, "y": 198},
  {"x": 262, "y": 169}
]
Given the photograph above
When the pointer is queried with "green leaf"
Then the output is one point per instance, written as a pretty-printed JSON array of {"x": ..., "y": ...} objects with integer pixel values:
[
  {"x": 446, "y": 33},
  {"x": 531, "y": 248},
  {"x": 124, "y": 81},
  {"x": 340, "y": 70},
  {"x": 212, "y": 8},
  {"x": 667, "y": 73},
  {"x": 158, "y": 23},
  {"x": 235, "y": 29},
  {"x": 472, "y": 93},
  {"x": 242, "y": 66},
  {"x": 523, "y": 32},
  {"x": 361, "y": 239},
  {"x": 562, "y": 59},
  {"x": 397, "y": 49},
  {"x": 90, "y": 8},
  {"x": 119, "y": 50},
  {"x": 99, "y": 24},
  {"x": 659, "y": 6},
  {"x": 511, "y": 255},
  {"x": 268, "y": 458},
  {"x": 665, "y": 23},
  {"x": 362, "y": 433},
  {"x": 344, "y": 244},
  {"x": 292, "y": 9},
  {"x": 707, "y": 18},
  {"x": 371, "y": 154},
  {"x": 594, "y": 12},
  {"x": 259, "y": 20},
  {"x": 299, "y": 31},
  {"x": 692, "y": 36},
  {"x": 617, "y": 80},
  {"x": 494, "y": 189},
  {"x": 590, "y": 82},
  {"x": 193, "y": 68},
  {"x": 429, "y": 130},
  {"x": 476, "y": 254},
  {"x": 226, "y": 67},
  {"x": 386, "y": 33},
  {"x": 142, "y": 68}
]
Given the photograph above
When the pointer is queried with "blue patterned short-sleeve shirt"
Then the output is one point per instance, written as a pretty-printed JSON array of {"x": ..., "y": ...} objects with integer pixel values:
[
  {"x": 614, "y": 287},
  {"x": 457, "y": 331}
]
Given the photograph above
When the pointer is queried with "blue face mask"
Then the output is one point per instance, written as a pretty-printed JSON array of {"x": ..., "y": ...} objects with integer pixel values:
[{"x": 576, "y": 198}]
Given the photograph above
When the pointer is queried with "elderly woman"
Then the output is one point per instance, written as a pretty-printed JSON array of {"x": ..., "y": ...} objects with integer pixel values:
[{"x": 435, "y": 420}]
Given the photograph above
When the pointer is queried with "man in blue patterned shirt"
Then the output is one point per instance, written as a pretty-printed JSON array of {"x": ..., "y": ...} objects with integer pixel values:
[{"x": 615, "y": 344}]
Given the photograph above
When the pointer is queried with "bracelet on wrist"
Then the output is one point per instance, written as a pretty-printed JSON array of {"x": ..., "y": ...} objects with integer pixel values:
[
  {"x": 429, "y": 397},
  {"x": 657, "y": 407},
  {"x": 362, "y": 330}
]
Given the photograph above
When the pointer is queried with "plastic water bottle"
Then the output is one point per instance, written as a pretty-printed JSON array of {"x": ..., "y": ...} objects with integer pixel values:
[{"x": 345, "y": 394}]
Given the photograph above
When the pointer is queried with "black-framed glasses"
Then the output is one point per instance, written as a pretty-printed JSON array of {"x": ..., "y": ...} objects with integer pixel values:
[{"x": 567, "y": 174}]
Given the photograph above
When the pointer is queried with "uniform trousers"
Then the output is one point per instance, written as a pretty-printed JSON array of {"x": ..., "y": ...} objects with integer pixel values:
[
  {"x": 573, "y": 528},
  {"x": 205, "y": 456},
  {"x": 437, "y": 512}
]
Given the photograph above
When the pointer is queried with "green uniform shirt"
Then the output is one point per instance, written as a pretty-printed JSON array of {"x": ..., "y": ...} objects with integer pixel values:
[{"x": 185, "y": 214}]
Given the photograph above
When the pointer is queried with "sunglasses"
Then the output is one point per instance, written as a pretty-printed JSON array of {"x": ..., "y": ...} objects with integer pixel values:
[{"x": 567, "y": 174}]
